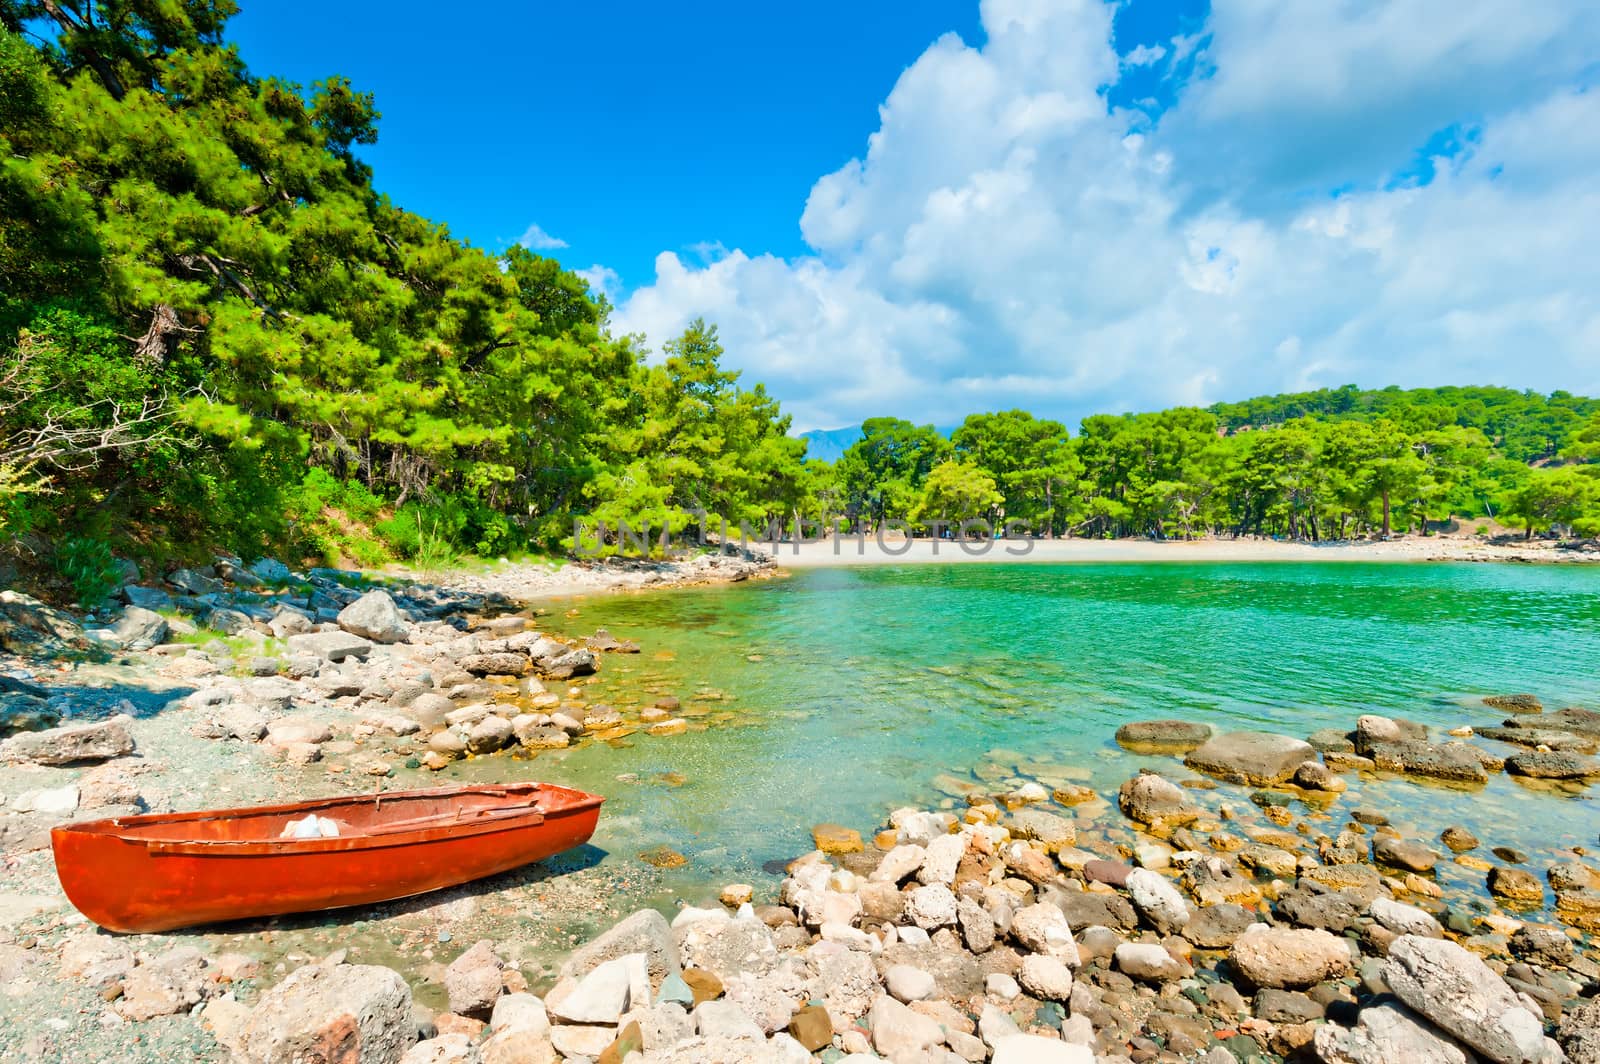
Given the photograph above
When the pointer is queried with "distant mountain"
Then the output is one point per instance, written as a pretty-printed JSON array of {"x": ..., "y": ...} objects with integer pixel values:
[{"x": 830, "y": 444}]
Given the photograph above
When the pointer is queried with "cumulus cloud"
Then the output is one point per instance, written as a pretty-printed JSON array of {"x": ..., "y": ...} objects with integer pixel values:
[
  {"x": 536, "y": 239},
  {"x": 602, "y": 279},
  {"x": 1007, "y": 238}
]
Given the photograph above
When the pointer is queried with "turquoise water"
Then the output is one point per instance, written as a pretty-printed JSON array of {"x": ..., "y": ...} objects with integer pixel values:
[{"x": 839, "y": 694}]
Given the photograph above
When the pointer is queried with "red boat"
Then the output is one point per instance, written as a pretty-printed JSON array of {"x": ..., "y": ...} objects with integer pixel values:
[{"x": 162, "y": 871}]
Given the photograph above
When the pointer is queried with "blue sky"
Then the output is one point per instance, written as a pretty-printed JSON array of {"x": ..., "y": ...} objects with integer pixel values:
[
  {"x": 928, "y": 209},
  {"x": 622, "y": 129}
]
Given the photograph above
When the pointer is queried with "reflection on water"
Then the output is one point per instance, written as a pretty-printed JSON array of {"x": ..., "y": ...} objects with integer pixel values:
[{"x": 838, "y": 694}]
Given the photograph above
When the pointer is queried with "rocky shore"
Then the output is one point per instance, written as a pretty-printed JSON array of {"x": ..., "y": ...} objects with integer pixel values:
[{"x": 1243, "y": 910}]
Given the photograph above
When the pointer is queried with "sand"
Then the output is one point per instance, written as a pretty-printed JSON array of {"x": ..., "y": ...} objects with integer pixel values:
[{"x": 849, "y": 550}]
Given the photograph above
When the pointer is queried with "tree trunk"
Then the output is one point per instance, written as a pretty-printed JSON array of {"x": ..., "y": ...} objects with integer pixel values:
[{"x": 1385, "y": 515}]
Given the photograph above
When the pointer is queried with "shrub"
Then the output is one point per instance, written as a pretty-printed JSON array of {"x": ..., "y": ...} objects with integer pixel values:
[{"x": 87, "y": 564}]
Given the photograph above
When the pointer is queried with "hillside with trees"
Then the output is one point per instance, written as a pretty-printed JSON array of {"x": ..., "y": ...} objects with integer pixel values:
[
  {"x": 216, "y": 335},
  {"x": 1333, "y": 464}
]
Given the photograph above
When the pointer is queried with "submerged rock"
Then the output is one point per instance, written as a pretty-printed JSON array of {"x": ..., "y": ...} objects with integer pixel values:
[
  {"x": 1163, "y": 736},
  {"x": 1254, "y": 758}
]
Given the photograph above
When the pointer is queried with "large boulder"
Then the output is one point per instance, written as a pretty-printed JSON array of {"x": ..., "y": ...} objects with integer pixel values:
[
  {"x": 727, "y": 948},
  {"x": 374, "y": 616},
  {"x": 1254, "y": 758},
  {"x": 1455, "y": 762},
  {"x": 1289, "y": 957},
  {"x": 1552, "y": 765},
  {"x": 140, "y": 629},
  {"x": 30, "y": 627},
  {"x": 333, "y": 646},
  {"x": 1464, "y": 997},
  {"x": 350, "y": 1013},
  {"x": 76, "y": 742},
  {"x": 1385, "y": 1033},
  {"x": 646, "y": 931}
]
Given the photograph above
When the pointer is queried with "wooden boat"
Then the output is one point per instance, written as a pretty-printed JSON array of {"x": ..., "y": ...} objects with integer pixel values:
[{"x": 163, "y": 871}]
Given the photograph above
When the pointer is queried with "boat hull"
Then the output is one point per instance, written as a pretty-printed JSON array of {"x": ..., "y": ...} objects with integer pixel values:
[{"x": 125, "y": 876}]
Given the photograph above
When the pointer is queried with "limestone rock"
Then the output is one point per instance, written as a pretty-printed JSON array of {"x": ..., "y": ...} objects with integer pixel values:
[
  {"x": 356, "y": 1014},
  {"x": 1460, "y": 994},
  {"x": 473, "y": 980},
  {"x": 1254, "y": 758},
  {"x": 374, "y": 616},
  {"x": 1037, "y": 1049},
  {"x": 1385, "y": 1033},
  {"x": 333, "y": 646},
  {"x": 98, "y": 741},
  {"x": 1157, "y": 900}
]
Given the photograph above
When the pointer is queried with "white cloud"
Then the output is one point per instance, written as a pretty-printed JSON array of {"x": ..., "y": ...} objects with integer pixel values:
[
  {"x": 536, "y": 239},
  {"x": 1005, "y": 240},
  {"x": 602, "y": 279},
  {"x": 1145, "y": 55}
]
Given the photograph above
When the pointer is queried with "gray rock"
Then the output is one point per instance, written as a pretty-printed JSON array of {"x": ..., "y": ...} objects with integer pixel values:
[
  {"x": 1552, "y": 765},
  {"x": 1460, "y": 994},
  {"x": 931, "y": 906},
  {"x": 489, "y": 734},
  {"x": 331, "y": 646},
  {"x": 473, "y": 980},
  {"x": 1405, "y": 919},
  {"x": 1217, "y": 926},
  {"x": 271, "y": 571},
  {"x": 364, "y": 1010},
  {"x": 1384, "y": 1034},
  {"x": 99, "y": 741},
  {"x": 374, "y": 616},
  {"x": 1163, "y": 736},
  {"x": 1255, "y": 758},
  {"x": 1403, "y": 853},
  {"x": 1458, "y": 762},
  {"x": 602, "y": 996},
  {"x": 646, "y": 931},
  {"x": 1157, "y": 900},
  {"x": 977, "y": 926},
  {"x": 1548, "y": 946},
  {"x": 193, "y": 583},
  {"x": 727, "y": 947},
  {"x": 140, "y": 629},
  {"x": 505, "y": 663},
  {"x": 1579, "y": 1032},
  {"x": 147, "y": 598}
]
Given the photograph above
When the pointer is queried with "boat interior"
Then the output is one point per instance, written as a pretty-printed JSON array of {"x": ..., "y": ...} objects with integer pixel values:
[{"x": 352, "y": 815}]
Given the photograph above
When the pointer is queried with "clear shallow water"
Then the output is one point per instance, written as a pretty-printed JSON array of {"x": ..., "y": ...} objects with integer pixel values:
[{"x": 839, "y": 694}]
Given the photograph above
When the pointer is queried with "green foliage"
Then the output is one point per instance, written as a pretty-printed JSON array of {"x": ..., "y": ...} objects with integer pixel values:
[
  {"x": 176, "y": 230},
  {"x": 955, "y": 492},
  {"x": 87, "y": 565}
]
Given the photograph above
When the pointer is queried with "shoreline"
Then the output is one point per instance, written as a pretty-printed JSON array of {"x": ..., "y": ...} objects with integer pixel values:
[
  {"x": 1134, "y": 897},
  {"x": 850, "y": 551}
]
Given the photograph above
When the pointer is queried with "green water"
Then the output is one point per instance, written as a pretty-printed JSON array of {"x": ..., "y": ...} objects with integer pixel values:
[{"x": 840, "y": 694}]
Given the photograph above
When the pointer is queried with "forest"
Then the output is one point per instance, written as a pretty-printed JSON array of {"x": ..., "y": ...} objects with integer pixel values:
[
  {"x": 1332, "y": 464},
  {"x": 217, "y": 335}
]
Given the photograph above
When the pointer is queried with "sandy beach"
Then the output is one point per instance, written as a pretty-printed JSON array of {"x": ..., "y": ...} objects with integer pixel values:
[{"x": 849, "y": 550}]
